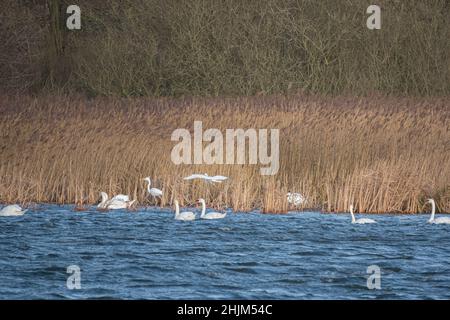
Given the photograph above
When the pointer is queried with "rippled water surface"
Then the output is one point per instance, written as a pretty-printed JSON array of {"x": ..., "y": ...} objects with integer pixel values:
[{"x": 148, "y": 255}]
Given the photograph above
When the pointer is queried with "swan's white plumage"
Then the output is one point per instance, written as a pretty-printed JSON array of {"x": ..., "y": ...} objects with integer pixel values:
[
  {"x": 185, "y": 216},
  {"x": 210, "y": 215},
  {"x": 360, "y": 221},
  {"x": 121, "y": 197},
  {"x": 440, "y": 220},
  {"x": 120, "y": 201},
  {"x": 12, "y": 210}
]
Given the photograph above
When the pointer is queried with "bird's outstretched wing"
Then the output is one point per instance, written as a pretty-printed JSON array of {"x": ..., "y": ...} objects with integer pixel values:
[
  {"x": 218, "y": 178},
  {"x": 206, "y": 177},
  {"x": 196, "y": 176}
]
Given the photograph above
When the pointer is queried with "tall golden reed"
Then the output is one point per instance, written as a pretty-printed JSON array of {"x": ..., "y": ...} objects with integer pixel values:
[{"x": 381, "y": 154}]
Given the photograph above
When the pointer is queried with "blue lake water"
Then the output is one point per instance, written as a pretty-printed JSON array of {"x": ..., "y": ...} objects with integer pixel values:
[{"x": 148, "y": 255}]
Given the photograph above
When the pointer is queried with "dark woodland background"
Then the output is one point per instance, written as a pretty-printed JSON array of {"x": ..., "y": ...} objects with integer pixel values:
[{"x": 215, "y": 48}]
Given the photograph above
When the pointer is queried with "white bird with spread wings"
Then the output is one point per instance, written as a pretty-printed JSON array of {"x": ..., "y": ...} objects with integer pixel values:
[{"x": 206, "y": 177}]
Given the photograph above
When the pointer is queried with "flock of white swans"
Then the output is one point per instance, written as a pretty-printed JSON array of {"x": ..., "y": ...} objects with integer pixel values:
[{"x": 122, "y": 201}]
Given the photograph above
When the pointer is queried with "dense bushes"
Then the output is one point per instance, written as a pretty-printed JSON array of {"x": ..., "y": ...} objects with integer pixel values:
[{"x": 235, "y": 47}]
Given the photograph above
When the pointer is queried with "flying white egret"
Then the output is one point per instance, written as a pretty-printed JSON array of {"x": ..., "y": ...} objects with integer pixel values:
[
  {"x": 210, "y": 215},
  {"x": 440, "y": 220},
  {"x": 186, "y": 215},
  {"x": 296, "y": 199},
  {"x": 154, "y": 192},
  {"x": 360, "y": 221},
  {"x": 12, "y": 210},
  {"x": 206, "y": 177}
]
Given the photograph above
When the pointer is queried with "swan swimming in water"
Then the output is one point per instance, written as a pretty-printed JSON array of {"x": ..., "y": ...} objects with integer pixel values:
[
  {"x": 12, "y": 210},
  {"x": 154, "y": 192},
  {"x": 362, "y": 220},
  {"x": 120, "y": 201},
  {"x": 441, "y": 220},
  {"x": 210, "y": 215},
  {"x": 206, "y": 177},
  {"x": 185, "y": 216}
]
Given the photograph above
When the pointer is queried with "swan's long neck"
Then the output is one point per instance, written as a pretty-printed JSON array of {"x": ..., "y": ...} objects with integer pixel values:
[
  {"x": 203, "y": 208},
  {"x": 104, "y": 198},
  {"x": 177, "y": 209},
  {"x": 149, "y": 184},
  {"x": 351, "y": 212},
  {"x": 433, "y": 210}
]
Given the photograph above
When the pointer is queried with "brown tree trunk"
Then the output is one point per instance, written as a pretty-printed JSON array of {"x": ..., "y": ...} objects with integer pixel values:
[{"x": 56, "y": 61}]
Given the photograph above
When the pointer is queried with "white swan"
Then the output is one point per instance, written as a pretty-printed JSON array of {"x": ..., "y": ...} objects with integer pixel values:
[
  {"x": 360, "y": 221},
  {"x": 121, "y": 197},
  {"x": 12, "y": 210},
  {"x": 154, "y": 192},
  {"x": 186, "y": 215},
  {"x": 296, "y": 199},
  {"x": 120, "y": 201},
  {"x": 441, "y": 220},
  {"x": 210, "y": 215},
  {"x": 206, "y": 177}
]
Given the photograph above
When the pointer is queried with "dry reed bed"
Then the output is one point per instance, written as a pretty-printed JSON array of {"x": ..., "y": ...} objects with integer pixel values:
[{"x": 381, "y": 154}]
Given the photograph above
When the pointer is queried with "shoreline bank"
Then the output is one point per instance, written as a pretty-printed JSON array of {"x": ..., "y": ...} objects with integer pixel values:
[{"x": 170, "y": 209}]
